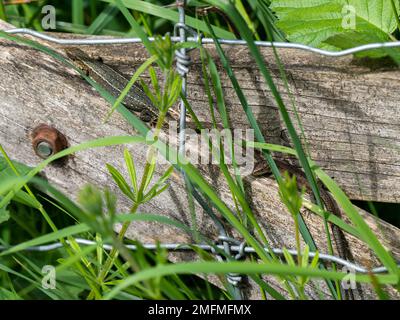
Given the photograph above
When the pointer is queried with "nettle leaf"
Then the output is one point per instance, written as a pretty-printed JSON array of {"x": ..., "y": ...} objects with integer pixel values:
[
  {"x": 337, "y": 24},
  {"x": 353, "y": 39},
  {"x": 309, "y": 22}
]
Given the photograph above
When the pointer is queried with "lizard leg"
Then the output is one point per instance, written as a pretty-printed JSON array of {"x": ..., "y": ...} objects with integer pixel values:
[{"x": 146, "y": 116}]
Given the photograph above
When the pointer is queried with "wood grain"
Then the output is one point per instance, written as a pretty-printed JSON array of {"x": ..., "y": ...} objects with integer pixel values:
[
  {"x": 348, "y": 109},
  {"x": 336, "y": 100}
]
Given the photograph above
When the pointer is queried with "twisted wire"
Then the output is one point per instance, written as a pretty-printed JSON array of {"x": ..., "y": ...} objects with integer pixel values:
[
  {"x": 202, "y": 40},
  {"x": 228, "y": 245},
  {"x": 183, "y": 60},
  {"x": 183, "y": 63},
  {"x": 233, "y": 278},
  {"x": 234, "y": 248}
]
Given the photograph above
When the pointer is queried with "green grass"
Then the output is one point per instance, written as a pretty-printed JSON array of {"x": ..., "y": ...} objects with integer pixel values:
[{"x": 32, "y": 212}]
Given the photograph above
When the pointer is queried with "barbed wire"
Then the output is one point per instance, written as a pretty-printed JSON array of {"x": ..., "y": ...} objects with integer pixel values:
[
  {"x": 239, "y": 249},
  {"x": 227, "y": 245},
  {"x": 285, "y": 45}
]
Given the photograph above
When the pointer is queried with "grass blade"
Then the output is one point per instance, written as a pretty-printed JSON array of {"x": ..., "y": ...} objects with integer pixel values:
[
  {"x": 168, "y": 14},
  {"x": 241, "y": 268}
]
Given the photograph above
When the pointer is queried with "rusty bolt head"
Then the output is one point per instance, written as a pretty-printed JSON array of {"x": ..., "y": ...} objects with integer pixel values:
[{"x": 47, "y": 141}]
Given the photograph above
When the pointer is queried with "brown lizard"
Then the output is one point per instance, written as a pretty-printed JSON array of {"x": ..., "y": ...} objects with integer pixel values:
[{"x": 114, "y": 82}]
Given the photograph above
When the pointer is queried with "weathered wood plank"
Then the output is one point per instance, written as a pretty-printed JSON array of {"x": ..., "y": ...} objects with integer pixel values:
[
  {"x": 35, "y": 88},
  {"x": 349, "y": 111}
]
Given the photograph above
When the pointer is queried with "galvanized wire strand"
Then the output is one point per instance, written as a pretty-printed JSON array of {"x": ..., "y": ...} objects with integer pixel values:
[
  {"x": 286, "y": 45},
  {"x": 210, "y": 248},
  {"x": 182, "y": 64},
  {"x": 229, "y": 246}
]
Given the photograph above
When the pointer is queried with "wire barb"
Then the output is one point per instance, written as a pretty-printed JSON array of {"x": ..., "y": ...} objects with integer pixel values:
[
  {"x": 183, "y": 33},
  {"x": 183, "y": 60},
  {"x": 234, "y": 248},
  {"x": 227, "y": 242},
  {"x": 233, "y": 42}
]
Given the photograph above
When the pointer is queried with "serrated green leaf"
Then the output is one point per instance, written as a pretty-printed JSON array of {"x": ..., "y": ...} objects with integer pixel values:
[
  {"x": 309, "y": 22},
  {"x": 352, "y": 39},
  {"x": 313, "y": 22}
]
